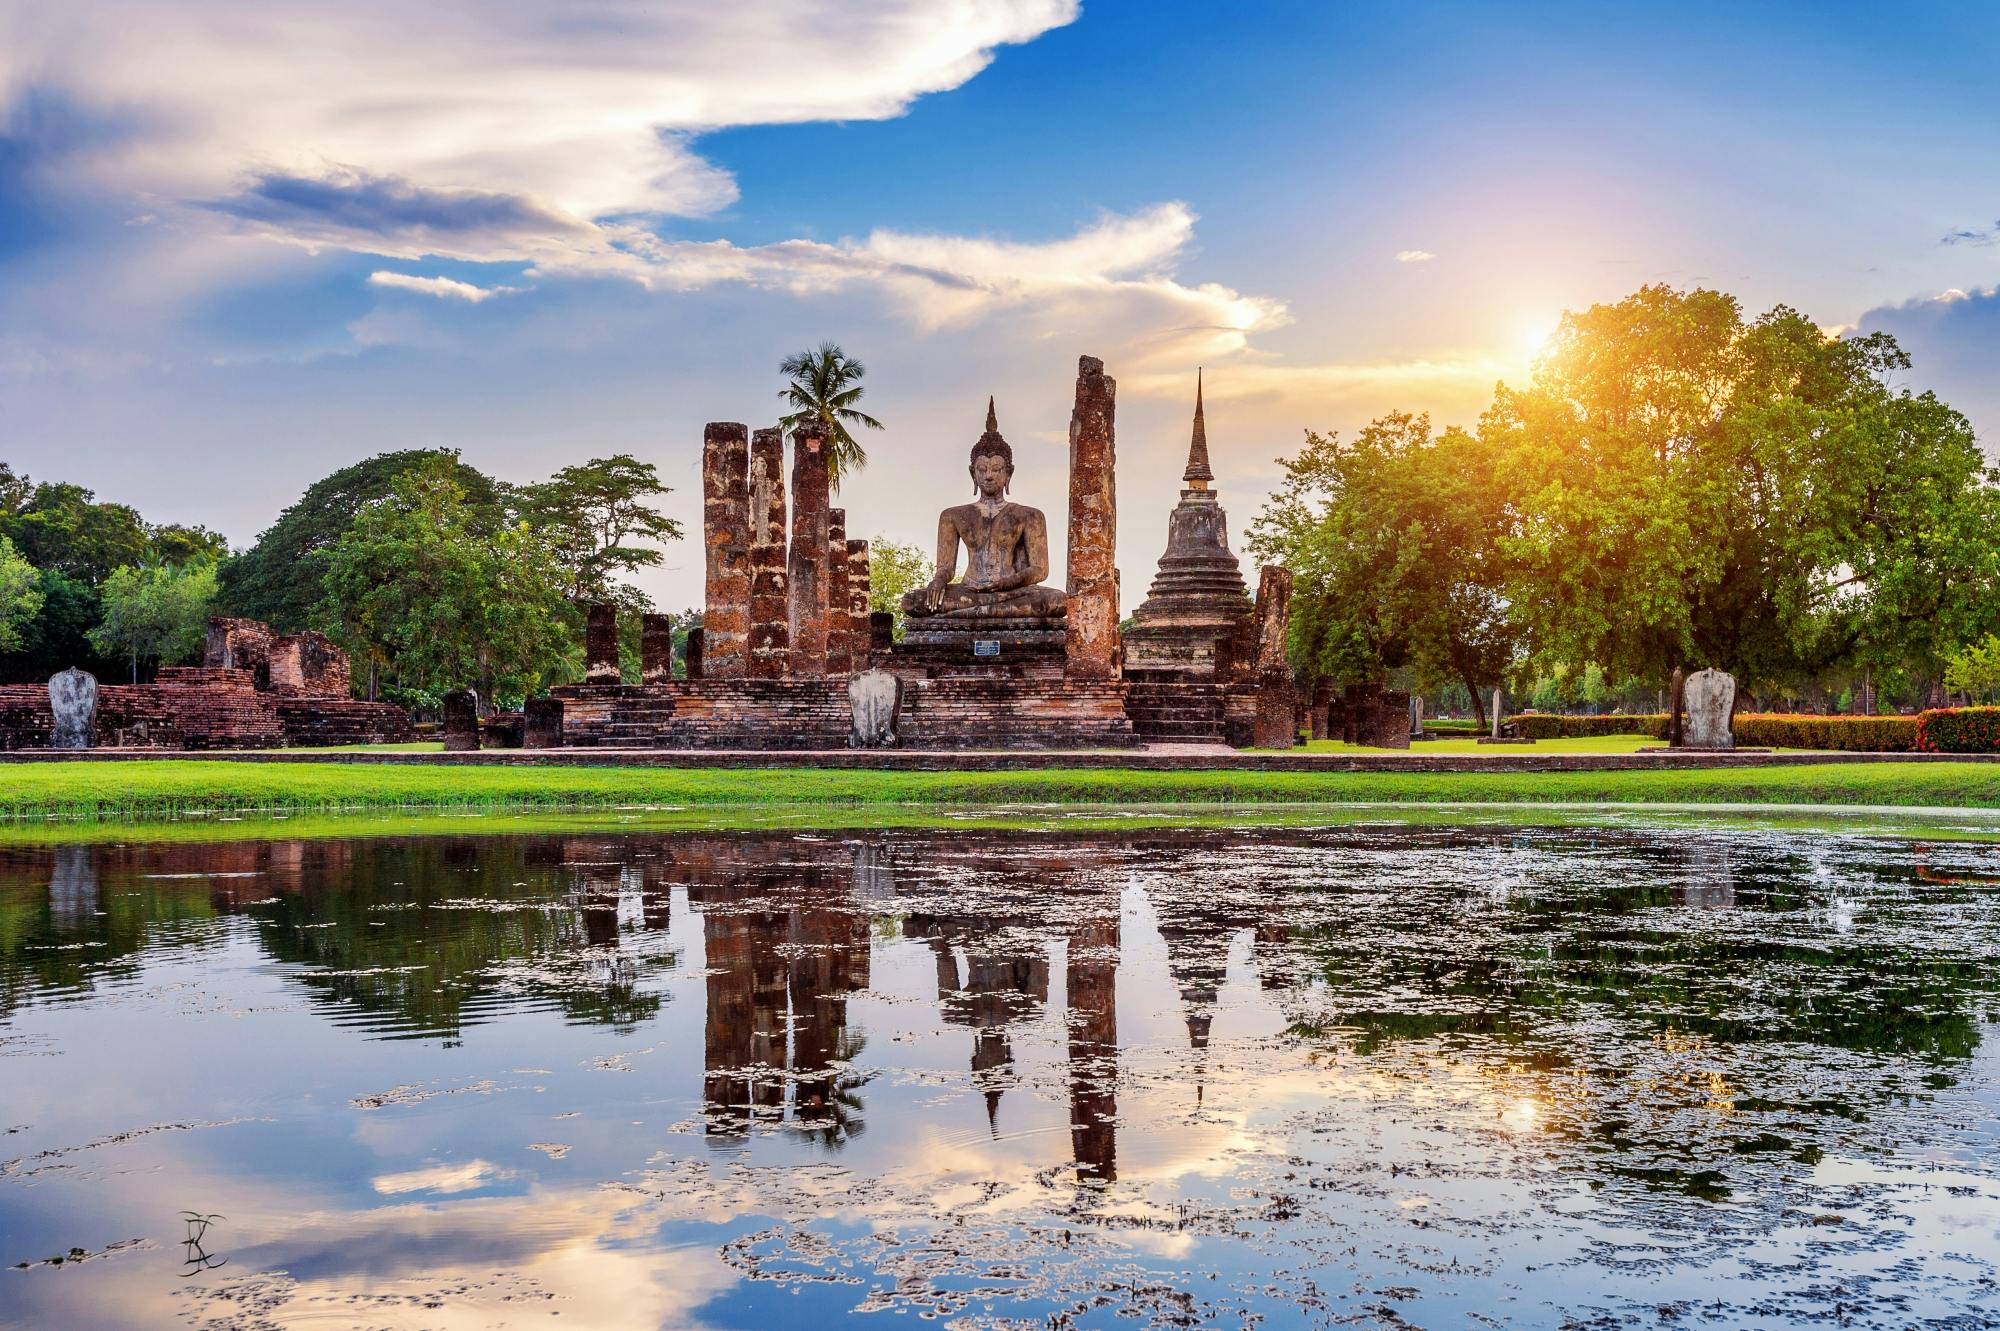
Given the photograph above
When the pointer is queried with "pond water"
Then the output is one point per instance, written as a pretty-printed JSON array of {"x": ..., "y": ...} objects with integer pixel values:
[{"x": 1390, "y": 1075}]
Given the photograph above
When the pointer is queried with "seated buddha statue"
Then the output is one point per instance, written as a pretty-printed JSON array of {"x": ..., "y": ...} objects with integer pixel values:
[{"x": 1006, "y": 549}]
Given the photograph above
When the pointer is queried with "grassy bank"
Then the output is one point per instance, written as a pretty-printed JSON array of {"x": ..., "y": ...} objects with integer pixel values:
[{"x": 173, "y": 788}]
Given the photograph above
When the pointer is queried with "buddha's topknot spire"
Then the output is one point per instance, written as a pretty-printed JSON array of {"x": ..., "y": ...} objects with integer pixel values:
[
  {"x": 992, "y": 421},
  {"x": 1198, "y": 474}
]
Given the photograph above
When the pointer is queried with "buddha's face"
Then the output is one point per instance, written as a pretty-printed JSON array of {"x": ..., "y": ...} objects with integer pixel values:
[{"x": 990, "y": 474}]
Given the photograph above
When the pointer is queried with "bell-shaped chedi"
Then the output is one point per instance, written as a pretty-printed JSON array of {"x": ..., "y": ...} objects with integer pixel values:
[{"x": 1198, "y": 599}]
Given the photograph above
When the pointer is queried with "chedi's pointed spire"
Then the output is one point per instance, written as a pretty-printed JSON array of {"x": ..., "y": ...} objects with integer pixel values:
[
  {"x": 992, "y": 421},
  {"x": 1198, "y": 474}
]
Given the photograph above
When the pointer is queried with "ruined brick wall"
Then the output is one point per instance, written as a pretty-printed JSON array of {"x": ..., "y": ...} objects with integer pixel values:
[
  {"x": 1092, "y": 631},
  {"x": 815, "y": 713},
  {"x": 309, "y": 664},
  {"x": 239, "y": 644},
  {"x": 725, "y": 488},
  {"x": 203, "y": 707}
]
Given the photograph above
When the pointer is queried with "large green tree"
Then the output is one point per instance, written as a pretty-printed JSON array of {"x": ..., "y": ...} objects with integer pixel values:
[
  {"x": 825, "y": 386},
  {"x": 20, "y": 596},
  {"x": 1390, "y": 540},
  {"x": 62, "y": 526},
  {"x": 597, "y": 516},
  {"x": 1685, "y": 487},
  {"x": 279, "y": 579},
  {"x": 158, "y": 612},
  {"x": 421, "y": 587}
]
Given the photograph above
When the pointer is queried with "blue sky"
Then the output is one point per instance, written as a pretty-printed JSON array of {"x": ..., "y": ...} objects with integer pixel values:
[{"x": 238, "y": 250}]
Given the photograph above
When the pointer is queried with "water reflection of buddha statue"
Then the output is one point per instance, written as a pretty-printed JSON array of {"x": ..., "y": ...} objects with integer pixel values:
[{"x": 1006, "y": 550}]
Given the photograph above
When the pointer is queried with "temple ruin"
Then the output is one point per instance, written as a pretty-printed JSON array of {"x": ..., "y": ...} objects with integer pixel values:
[{"x": 995, "y": 653}]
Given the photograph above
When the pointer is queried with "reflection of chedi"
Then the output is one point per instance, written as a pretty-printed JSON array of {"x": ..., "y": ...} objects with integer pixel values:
[{"x": 1006, "y": 550}]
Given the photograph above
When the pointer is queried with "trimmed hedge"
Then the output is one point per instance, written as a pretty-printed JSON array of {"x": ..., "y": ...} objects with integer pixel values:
[
  {"x": 1959, "y": 730},
  {"x": 1556, "y": 725},
  {"x": 1759, "y": 730},
  {"x": 1851, "y": 734}
]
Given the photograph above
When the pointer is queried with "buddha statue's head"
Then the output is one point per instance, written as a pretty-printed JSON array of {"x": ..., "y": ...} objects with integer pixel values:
[{"x": 992, "y": 460}]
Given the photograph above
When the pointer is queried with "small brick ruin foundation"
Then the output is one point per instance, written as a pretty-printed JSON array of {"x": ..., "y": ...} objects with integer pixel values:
[{"x": 256, "y": 690}]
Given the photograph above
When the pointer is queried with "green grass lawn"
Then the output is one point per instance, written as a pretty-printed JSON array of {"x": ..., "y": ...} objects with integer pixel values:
[{"x": 180, "y": 787}]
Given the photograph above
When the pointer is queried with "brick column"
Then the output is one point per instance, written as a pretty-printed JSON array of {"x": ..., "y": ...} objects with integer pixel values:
[
  {"x": 1092, "y": 643},
  {"x": 770, "y": 628},
  {"x": 725, "y": 492},
  {"x": 1277, "y": 724},
  {"x": 839, "y": 641},
  {"x": 461, "y": 721},
  {"x": 857, "y": 605},
  {"x": 806, "y": 572},
  {"x": 694, "y": 664},
  {"x": 600, "y": 644},
  {"x": 656, "y": 649}
]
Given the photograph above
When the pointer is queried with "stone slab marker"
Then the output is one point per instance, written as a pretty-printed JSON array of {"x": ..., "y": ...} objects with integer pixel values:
[
  {"x": 1711, "y": 705},
  {"x": 656, "y": 649},
  {"x": 770, "y": 628},
  {"x": 73, "y": 705},
  {"x": 725, "y": 496},
  {"x": 461, "y": 721},
  {"x": 806, "y": 571},
  {"x": 859, "y": 638},
  {"x": 839, "y": 641},
  {"x": 600, "y": 644},
  {"x": 1498, "y": 698},
  {"x": 875, "y": 695},
  {"x": 1091, "y": 636},
  {"x": 542, "y": 723}
]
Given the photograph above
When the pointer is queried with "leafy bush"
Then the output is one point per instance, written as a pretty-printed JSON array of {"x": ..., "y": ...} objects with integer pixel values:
[{"x": 1959, "y": 730}]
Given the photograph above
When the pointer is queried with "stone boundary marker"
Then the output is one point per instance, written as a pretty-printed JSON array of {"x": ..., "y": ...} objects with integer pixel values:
[{"x": 1163, "y": 759}]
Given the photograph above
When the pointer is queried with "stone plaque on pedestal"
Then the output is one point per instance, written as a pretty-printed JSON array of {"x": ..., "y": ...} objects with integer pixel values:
[
  {"x": 1711, "y": 704},
  {"x": 876, "y": 696},
  {"x": 73, "y": 704}
]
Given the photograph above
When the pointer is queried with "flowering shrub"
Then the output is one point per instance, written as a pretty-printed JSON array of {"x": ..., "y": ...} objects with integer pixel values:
[{"x": 1959, "y": 730}]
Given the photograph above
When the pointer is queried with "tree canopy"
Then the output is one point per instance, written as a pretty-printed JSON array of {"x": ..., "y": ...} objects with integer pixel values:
[
  {"x": 593, "y": 513},
  {"x": 20, "y": 596},
  {"x": 825, "y": 387},
  {"x": 158, "y": 612},
  {"x": 418, "y": 586},
  {"x": 1676, "y": 485},
  {"x": 278, "y": 579}
]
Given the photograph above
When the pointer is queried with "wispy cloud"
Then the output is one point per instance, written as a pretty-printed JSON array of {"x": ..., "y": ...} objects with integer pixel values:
[
  {"x": 448, "y": 288},
  {"x": 1414, "y": 256},
  {"x": 1982, "y": 236}
]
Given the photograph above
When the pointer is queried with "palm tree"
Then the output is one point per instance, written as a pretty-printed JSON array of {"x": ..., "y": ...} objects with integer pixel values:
[{"x": 825, "y": 385}]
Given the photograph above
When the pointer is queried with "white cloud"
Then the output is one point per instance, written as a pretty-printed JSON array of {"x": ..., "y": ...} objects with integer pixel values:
[
  {"x": 1414, "y": 256},
  {"x": 546, "y": 115},
  {"x": 446, "y": 287}
]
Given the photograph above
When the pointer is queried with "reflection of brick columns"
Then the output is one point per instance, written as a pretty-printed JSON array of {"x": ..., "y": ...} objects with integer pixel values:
[
  {"x": 807, "y": 571},
  {"x": 600, "y": 644},
  {"x": 656, "y": 649},
  {"x": 770, "y": 631},
  {"x": 1093, "y": 1047},
  {"x": 1092, "y": 643},
  {"x": 839, "y": 645},
  {"x": 857, "y": 604},
  {"x": 725, "y": 491}
]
